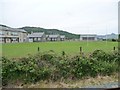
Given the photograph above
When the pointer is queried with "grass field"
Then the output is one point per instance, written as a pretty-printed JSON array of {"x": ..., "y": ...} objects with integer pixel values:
[{"x": 11, "y": 50}]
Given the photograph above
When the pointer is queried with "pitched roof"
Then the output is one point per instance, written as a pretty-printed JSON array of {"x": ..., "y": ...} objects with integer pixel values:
[
  {"x": 11, "y": 29},
  {"x": 54, "y": 36},
  {"x": 36, "y": 34}
]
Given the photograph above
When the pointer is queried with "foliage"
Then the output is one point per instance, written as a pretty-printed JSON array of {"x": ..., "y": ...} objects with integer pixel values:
[{"x": 44, "y": 66}]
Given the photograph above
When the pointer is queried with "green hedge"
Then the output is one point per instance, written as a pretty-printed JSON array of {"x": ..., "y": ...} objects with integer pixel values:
[{"x": 44, "y": 66}]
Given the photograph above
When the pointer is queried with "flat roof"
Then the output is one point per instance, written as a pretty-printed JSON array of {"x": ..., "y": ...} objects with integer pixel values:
[
  {"x": 88, "y": 35},
  {"x": 54, "y": 36}
]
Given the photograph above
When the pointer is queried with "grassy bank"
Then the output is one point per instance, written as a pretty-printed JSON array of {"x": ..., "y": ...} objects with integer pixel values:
[
  {"x": 99, "y": 80},
  {"x": 80, "y": 83}
]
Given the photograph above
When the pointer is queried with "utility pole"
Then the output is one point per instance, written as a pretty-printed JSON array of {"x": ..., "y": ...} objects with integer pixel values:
[
  {"x": 106, "y": 35},
  {"x": 87, "y": 40},
  {"x": 87, "y": 36}
]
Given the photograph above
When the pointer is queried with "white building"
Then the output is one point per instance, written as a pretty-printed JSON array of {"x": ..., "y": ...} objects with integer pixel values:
[
  {"x": 89, "y": 37},
  {"x": 10, "y": 35},
  {"x": 56, "y": 37}
]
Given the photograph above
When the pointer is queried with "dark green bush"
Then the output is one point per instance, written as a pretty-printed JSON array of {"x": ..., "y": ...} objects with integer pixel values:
[{"x": 100, "y": 55}]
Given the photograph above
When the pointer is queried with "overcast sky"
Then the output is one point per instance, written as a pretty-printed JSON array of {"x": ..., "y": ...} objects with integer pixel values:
[{"x": 75, "y": 16}]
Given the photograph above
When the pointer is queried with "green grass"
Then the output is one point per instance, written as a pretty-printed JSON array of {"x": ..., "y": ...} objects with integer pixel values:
[{"x": 71, "y": 48}]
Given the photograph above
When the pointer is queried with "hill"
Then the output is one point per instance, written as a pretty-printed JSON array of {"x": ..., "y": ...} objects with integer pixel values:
[
  {"x": 4, "y": 25},
  {"x": 108, "y": 36},
  {"x": 51, "y": 31}
]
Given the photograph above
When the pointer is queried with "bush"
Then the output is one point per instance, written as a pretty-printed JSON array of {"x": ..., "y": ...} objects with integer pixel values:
[
  {"x": 100, "y": 55},
  {"x": 44, "y": 66}
]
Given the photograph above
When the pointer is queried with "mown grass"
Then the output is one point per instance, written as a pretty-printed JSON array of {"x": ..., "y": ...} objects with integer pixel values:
[{"x": 15, "y": 50}]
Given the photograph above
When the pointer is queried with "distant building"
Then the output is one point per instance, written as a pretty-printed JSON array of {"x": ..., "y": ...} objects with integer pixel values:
[
  {"x": 56, "y": 37},
  {"x": 62, "y": 37},
  {"x": 36, "y": 37},
  {"x": 10, "y": 35},
  {"x": 53, "y": 38},
  {"x": 90, "y": 37}
]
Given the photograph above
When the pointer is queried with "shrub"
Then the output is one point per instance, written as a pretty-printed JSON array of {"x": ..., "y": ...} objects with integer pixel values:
[{"x": 44, "y": 66}]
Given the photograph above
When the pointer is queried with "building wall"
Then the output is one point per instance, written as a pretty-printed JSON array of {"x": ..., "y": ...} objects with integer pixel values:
[
  {"x": 62, "y": 39},
  {"x": 1, "y": 36},
  {"x": 44, "y": 38},
  {"x": 22, "y": 37},
  {"x": 54, "y": 39},
  {"x": 37, "y": 39},
  {"x": 88, "y": 37}
]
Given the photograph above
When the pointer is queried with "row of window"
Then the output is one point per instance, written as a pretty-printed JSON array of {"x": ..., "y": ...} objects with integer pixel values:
[
  {"x": 14, "y": 33},
  {"x": 35, "y": 39},
  {"x": 8, "y": 39},
  {"x": 9, "y": 33},
  {"x": 89, "y": 38},
  {"x": 52, "y": 39}
]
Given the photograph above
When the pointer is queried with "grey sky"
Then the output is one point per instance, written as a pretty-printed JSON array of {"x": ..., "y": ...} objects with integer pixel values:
[{"x": 76, "y": 16}]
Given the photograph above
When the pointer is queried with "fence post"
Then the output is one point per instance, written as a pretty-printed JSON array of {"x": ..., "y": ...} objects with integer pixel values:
[
  {"x": 63, "y": 53},
  {"x": 38, "y": 49},
  {"x": 80, "y": 50},
  {"x": 114, "y": 48}
]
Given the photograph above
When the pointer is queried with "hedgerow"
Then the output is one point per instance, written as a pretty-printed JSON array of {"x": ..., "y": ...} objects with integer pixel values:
[{"x": 44, "y": 66}]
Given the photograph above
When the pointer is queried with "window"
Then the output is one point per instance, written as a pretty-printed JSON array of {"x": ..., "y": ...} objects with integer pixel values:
[
  {"x": 7, "y": 39},
  {"x": 35, "y": 39},
  {"x": 84, "y": 38},
  {"x": 39, "y": 39},
  {"x": 1, "y": 33},
  {"x": 14, "y": 33}
]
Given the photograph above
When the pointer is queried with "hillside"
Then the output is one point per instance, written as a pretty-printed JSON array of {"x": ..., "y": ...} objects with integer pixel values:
[
  {"x": 3, "y": 25},
  {"x": 51, "y": 31},
  {"x": 108, "y": 36}
]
